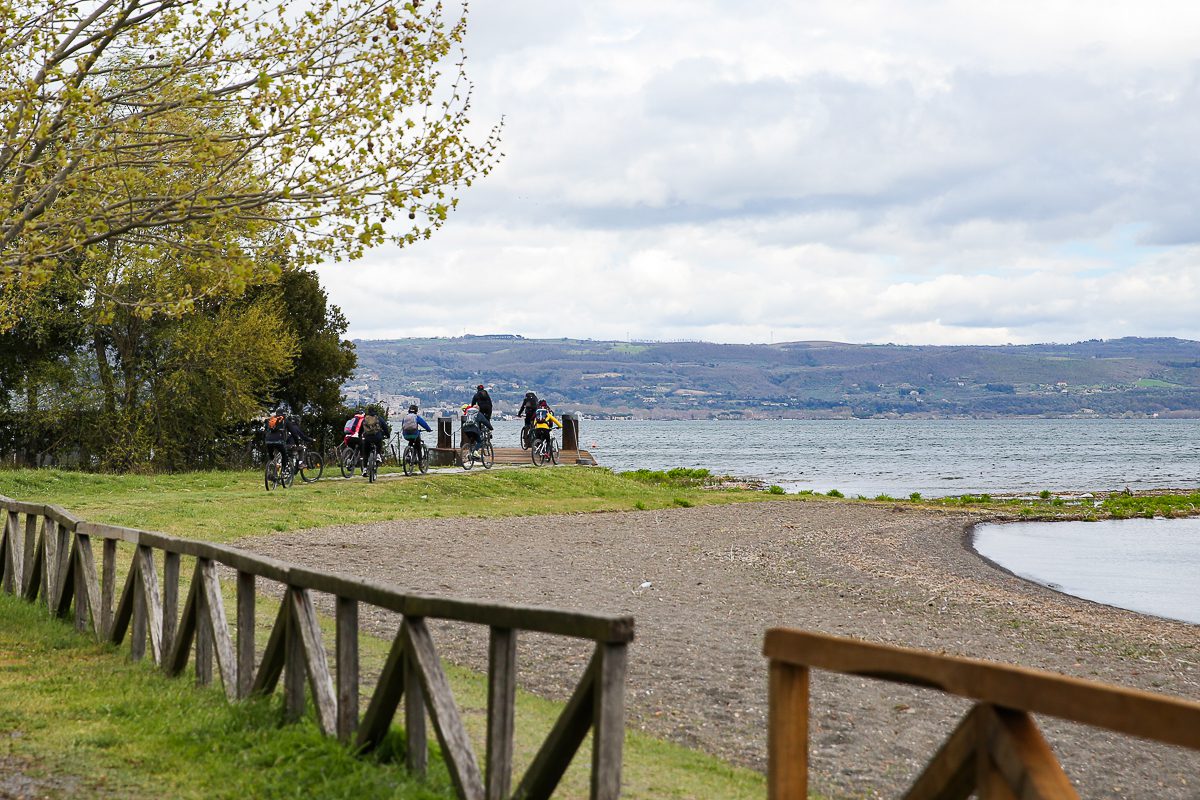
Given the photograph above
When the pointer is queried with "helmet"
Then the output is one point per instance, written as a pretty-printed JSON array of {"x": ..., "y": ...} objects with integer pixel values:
[
  {"x": 530, "y": 394},
  {"x": 543, "y": 404},
  {"x": 412, "y": 409},
  {"x": 480, "y": 386}
]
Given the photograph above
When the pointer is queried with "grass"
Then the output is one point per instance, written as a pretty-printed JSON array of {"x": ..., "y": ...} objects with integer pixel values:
[
  {"x": 224, "y": 506},
  {"x": 81, "y": 724}
]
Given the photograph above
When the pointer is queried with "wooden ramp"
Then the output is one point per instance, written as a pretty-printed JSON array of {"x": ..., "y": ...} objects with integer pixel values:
[{"x": 513, "y": 456}]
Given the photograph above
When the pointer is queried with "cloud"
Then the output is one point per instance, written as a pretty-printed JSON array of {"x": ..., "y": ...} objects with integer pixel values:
[{"x": 936, "y": 172}]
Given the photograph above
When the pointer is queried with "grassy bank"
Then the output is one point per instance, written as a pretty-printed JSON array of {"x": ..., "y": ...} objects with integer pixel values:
[
  {"x": 223, "y": 506},
  {"x": 80, "y": 726}
]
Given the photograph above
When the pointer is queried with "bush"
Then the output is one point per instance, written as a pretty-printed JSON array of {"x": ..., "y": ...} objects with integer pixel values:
[
  {"x": 774, "y": 489},
  {"x": 915, "y": 496},
  {"x": 682, "y": 503},
  {"x": 834, "y": 493},
  {"x": 679, "y": 476}
]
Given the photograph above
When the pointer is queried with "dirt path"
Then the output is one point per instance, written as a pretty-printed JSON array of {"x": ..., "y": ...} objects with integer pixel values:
[{"x": 720, "y": 576}]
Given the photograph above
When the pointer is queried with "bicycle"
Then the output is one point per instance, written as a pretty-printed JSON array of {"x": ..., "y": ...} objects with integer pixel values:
[
  {"x": 349, "y": 459},
  {"x": 544, "y": 450},
  {"x": 307, "y": 463},
  {"x": 372, "y": 464},
  {"x": 277, "y": 471},
  {"x": 416, "y": 456},
  {"x": 482, "y": 452},
  {"x": 527, "y": 436}
]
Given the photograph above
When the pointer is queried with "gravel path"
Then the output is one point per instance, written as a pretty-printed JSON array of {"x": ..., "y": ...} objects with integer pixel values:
[{"x": 720, "y": 576}]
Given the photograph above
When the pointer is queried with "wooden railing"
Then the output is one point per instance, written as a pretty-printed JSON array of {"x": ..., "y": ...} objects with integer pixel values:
[
  {"x": 996, "y": 750},
  {"x": 47, "y": 554}
]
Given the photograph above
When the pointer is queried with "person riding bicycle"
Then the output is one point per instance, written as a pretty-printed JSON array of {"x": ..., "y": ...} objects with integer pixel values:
[
  {"x": 373, "y": 432},
  {"x": 351, "y": 430},
  {"x": 472, "y": 424},
  {"x": 411, "y": 426},
  {"x": 544, "y": 421},
  {"x": 283, "y": 431},
  {"x": 483, "y": 401},
  {"x": 527, "y": 410}
]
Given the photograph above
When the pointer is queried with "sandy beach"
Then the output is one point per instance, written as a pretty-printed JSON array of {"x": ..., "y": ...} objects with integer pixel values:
[{"x": 720, "y": 576}]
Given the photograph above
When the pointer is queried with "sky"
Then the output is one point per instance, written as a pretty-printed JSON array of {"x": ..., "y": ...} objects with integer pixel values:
[{"x": 863, "y": 171}]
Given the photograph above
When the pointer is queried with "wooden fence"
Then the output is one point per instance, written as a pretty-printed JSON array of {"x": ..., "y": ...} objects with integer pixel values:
[
  {"x": 996, "y": 750},
  {"x": 48, "y": 556}
]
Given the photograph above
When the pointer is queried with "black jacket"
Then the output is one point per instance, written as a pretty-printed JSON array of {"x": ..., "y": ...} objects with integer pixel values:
[
  {"x": 528, "y": 407},
  {"x": 483, "y": 401}
]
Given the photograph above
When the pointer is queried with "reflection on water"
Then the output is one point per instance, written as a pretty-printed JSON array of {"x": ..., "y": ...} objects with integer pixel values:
[{"x": 1146, "y": 565}]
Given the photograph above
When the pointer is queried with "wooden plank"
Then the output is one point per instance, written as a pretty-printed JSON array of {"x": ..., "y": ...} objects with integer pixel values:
[
  {"x": 11, "y": 553},
  {"x": 181, "y": 643},
  {"x": 372, "y": 593},
  {"x": 50, "y": 564},
  {"x": 89, "y": 583},
  {"x": 61, "y": 516},
  {"x": 950, "y": 774},
  {"x": 787, "y": 732},
  {"x": 81, "y": 603},
  {"x": 66, "y": 580},
  {"x": 124, "y": 611},
  {"x": 416, "y": 736},
  {"x": 388, "y": 691},
  {"x": 36, "y": 573},
  {"x": 578, "y": 625},
  {"x": 1166, "y": 719},
  {"x": 561, "y": 744},
  {"x": 108, "y": 592},
  {"x": 218, "y": 625},
  {"x": 246, "y": 600},
  {"x": 320, "y": 682},
  {"x": 61, "y": 567},
  {"x": 443, "y": 711},
  {"x": 501, "y": 711},
  {"x": 153, "y": 601},
  {"x": 27, "y": 565},
  {"x": 608, "y": 721},
  {"x": 115, "y": 532},
  {"x": 267, "y": 677},
  {"x": 293, "y": 665},
  {"x": 1022, "y": 756},
  {"x": 137, "y": 633},
  {"x": 170, "y": 600},
  {"x": 203, "y": 658},
  {"x": 347, "y": 668}
]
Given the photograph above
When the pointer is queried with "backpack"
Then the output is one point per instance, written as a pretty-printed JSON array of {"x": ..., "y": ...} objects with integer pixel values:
[
  {"x": 276, "y": 423},
  {"x": 351, "y": 426},
  {"x": 409, "y": 424},
  {"x": 372, "y": 425},
  {"x": 542, "y": 415}
]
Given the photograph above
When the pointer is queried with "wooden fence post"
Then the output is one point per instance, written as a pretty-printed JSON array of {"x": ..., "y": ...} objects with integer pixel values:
[
  {"x": 347, "y": 668},
  {"x": 245, "y": 632},
  {"x": 787, "y": 732},
  {"x": 501, "y": 711},
  {"x": 170, "y": 602}
]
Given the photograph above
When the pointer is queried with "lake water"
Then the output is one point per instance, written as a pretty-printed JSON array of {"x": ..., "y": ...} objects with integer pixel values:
[
  {"x": 1146, "y": 565},
  {"x": 898, "y": 457}
]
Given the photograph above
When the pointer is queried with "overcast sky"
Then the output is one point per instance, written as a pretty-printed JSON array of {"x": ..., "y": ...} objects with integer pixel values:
[{"x": 912, "y": 172}]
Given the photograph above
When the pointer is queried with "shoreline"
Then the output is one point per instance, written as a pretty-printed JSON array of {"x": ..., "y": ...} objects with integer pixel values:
[{"x": 720, "y": 576}]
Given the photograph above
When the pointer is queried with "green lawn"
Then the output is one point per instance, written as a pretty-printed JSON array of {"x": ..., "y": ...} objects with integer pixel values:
[{"x": 86, "y": 722}]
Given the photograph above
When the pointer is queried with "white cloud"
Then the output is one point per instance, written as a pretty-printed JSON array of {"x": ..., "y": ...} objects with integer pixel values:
[{"x": 929, "y": 172}]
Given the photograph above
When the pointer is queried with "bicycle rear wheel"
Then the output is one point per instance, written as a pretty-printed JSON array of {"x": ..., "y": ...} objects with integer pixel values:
[
  {"x": 537, "y": 452},
  {"x": 424, "y": 459},
  {"x": 312, "y": 466},
  {"x": 465, "y": 457},
  {"x": 552, "y": 450},
  {"x": 287, "y": 473},
  {"x": 348, "y": 462},
  {"x": 410, "y": 460},
  {"x": 271, "y": 473},
  {"x": 487, "y": 455},
  {"x": 372, "y": 465}
]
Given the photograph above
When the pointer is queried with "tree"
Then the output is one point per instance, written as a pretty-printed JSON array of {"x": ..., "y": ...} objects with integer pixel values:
[{"x": 336, "y": 123}]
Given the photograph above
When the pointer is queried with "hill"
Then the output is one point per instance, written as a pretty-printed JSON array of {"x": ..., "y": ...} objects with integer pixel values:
[{"x": 1117, "y": 377}]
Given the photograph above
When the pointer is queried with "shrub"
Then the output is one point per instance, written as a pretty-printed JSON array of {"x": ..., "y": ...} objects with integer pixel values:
[
  {"x": 682, "y": 503},
  {"x": 1044, "y": 494},
  {"x": 834, "y": 493},
  {"x": 774, "y": 489},
  {"x": 915, "y": 496}
]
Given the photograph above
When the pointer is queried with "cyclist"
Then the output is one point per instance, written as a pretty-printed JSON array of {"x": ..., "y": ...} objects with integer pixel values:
[
  {"x": 284, "y": 432},
  {"x": 483, "y": 401},
  {"x": 351, "y": 430},
  {"x": 527, "y": 410},
  {"x": 472, "y": 424},
  {"x": 373, "y": 431},
  {"x": 544, "y": 421},
  {"x": 411, "y": 426}
]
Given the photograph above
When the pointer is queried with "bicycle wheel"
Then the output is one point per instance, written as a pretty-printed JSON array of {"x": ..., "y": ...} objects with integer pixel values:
[
  {"x": 537, "y": 452},
  {"x": 525, "y": 434},
  {"x": 552, "y": 450},
  {"x": 348, "y": 462},
  {"x": 271, "y": 473},
  {"x": 311, "y": 467},
  {"x": 487, "y": 455},
  {"x": 424, "y": 459},
  {"x": 465, "y": 457},
  {"x": 410, "y": 460},
  {"x": 372, "y": 465},
  {"x": 287, "y": 473}
]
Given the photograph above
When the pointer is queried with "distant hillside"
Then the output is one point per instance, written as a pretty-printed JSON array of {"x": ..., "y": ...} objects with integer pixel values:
[{"x": 1119, "y": 377}]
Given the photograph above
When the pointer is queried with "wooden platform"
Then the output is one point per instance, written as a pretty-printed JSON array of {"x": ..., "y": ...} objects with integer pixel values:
[{"x": 513, "y": 456}]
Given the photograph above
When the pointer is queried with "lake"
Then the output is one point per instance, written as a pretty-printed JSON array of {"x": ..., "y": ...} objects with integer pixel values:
[{"x": 898, "y": 457}]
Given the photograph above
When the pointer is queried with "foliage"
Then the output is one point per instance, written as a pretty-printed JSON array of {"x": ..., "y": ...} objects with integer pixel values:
[
  {"x": 834, "y": 493},
  {"x": 775, "y": 489},
  {"x": 332, "y": 125},
  {"x": 677, "y": 476}
]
